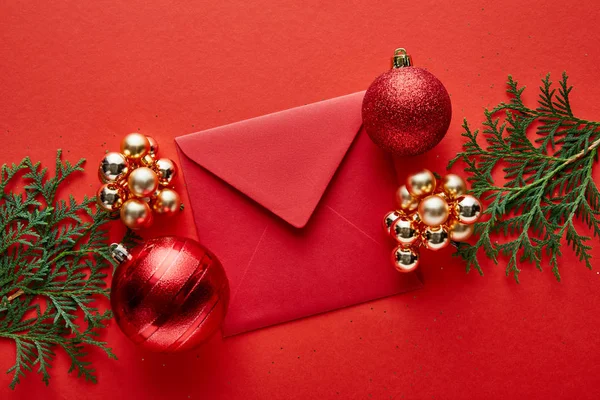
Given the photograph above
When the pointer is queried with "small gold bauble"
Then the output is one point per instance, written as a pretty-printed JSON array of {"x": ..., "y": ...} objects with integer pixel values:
[
  {"x": 405, "y": 259},
  {"x": 136, "y": 214},
  {"x": 461, "y": 232},
  {"x": 433, "y": 210},
  {"x": 135, "y": 146},
  {"x": 113, "y": 166},
  {"x": 454, "y": 186},
  {"x": 142, "y": 182},
  {"x": 405, "y": 201},
  {"x": 404, "y": 231},
  {"x": 389, "y": 219},
  {"x": 436, "y": 238},
  {"x": 167, "y": 169},
  {"x": 167, "y": 202},
  {"x": 110, "y": 197},
  {"x": 469, "y": 209},
  {"x": 421, "y": 184},
  {"x": 153, "y": 146}
]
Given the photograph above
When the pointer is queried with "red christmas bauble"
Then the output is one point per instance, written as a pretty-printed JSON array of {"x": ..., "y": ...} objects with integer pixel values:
[
  {"x": 406, "y": 111},
  {"x": 170, "y": 294}
]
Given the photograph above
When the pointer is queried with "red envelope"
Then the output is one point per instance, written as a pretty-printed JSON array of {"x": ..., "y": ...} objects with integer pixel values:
[{"x": 292, "y": 205}]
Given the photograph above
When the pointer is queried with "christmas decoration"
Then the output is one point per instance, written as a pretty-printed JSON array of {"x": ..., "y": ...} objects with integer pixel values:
[
  {"x": 469, "y": 209},
  {"x": 136, "y": 183},
  {"x": 169, "y": 294},
  {"x": 421, "y": 184},
  {"x": 167, "y": 202},
  {"x": 405, "y": 259},
  {"x": 433, "y": 210},
  {"x": 547, "y": 182},
  {"x": 110, "y": 197},
  {"x": 135, "y": 146},
  {"x": 142, "y": 182},
  {"x": 166, "y": 170},
  {"x": 461, "y": 232},
  {"x": 112, "y": 167},
  {"x": 405, "y": 200},
  {"x": 136, "y": 214},
  {"x": 153, "y": 150},
  {"x": 53, "y": 257},
  {"x": 406, "y": 110},
  {"x": 429, "y": 215}
]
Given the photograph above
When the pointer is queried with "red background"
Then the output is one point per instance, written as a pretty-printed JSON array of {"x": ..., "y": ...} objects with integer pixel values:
[{"x": 79, "y": 75}]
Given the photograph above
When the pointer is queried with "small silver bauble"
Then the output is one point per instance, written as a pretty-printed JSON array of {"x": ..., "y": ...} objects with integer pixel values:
[
  {"x": 469, "y": 209},
  {"x": 110, "y": 197},
  {"x": 436, "y": 238},
  {"x": 405, "y": 259},
  {"x": 113, "y": 167},
  {"x": 389, "y": 219},
  {"x": 403, "y": 230},
  {"x": 167, "y": 169}
]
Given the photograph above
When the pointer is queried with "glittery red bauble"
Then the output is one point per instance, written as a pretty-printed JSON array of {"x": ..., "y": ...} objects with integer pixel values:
[
  {"x": 171, "y": 295},
  {"x": 406, "y": 111}
]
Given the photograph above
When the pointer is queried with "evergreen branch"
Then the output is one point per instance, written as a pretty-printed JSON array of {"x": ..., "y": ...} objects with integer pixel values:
[
  {"x": 547, "y": 182},
  {"x": 51, "y": 263}
]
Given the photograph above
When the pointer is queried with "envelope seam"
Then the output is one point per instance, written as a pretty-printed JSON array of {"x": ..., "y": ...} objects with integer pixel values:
[
  {"x": 248, "y": 265},
  {"x": 357, "y": 228}
]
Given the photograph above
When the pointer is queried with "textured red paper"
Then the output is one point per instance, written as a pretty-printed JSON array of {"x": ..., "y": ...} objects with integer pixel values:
[
  {"x": 283, "y": 270},
  {"x": 78, "y": 75}
]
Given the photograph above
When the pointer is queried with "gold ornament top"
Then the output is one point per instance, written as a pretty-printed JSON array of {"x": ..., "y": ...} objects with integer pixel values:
[{"x": 401, "y": 59}]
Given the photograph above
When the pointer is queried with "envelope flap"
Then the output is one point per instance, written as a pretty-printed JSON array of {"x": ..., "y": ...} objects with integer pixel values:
[{"x": 284, "y": 161}]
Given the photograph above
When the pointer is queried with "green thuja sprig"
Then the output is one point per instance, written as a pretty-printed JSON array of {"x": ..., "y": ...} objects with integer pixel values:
[
  {"x": 547, "y": 183},
  {"x": 53, "y": 254}
]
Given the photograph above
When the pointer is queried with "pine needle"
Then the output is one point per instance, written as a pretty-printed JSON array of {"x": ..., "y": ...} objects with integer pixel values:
[
  {"x": 547, "y": 182},
  {"x": 53, "y": 254}
]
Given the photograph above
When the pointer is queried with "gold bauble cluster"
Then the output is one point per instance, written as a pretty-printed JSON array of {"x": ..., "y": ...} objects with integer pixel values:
[
  {"x": 430, "y": 214},
  {"x": 136, "y": 183}
]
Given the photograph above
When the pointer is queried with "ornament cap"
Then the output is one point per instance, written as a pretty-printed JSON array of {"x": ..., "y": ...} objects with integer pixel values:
[
  {"x": 119, "y": 253},
  {"x": 401, "y": 59}
]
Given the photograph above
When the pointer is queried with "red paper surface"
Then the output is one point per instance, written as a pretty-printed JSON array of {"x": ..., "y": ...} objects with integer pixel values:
[
  {"x": 254, "y": 188},
  {"x": 79, "y": 75},
  {"x": 284, "y": 161}
]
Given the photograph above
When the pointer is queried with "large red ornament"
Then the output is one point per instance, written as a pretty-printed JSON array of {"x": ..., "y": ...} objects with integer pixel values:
[
  {"x": 406, "y": 111},
  {"x": 169, "y": 294}
]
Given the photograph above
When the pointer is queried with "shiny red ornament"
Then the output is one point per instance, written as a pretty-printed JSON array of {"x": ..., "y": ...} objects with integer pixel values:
[
  {"x": 169, "y": 294},
  {"x": 407, "y": 110}
]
